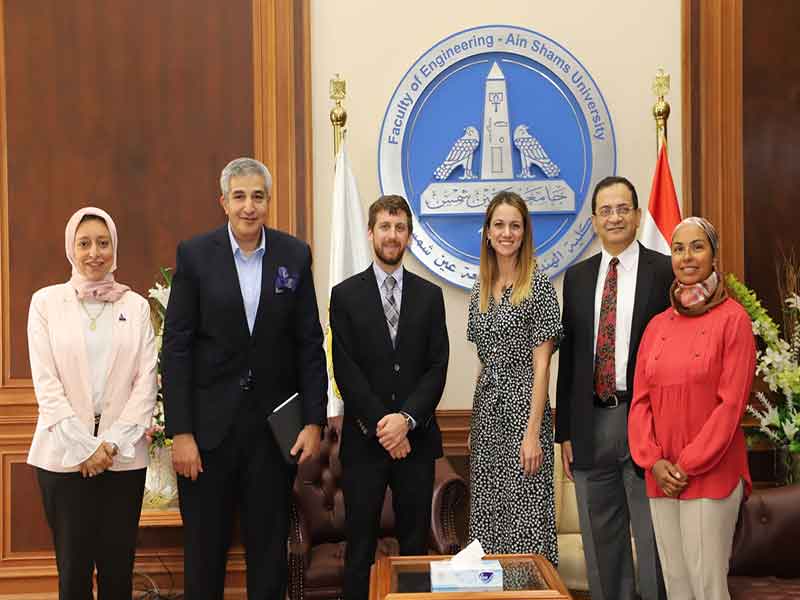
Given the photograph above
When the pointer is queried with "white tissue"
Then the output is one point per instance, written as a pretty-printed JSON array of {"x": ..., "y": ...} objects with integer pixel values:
[{"x": 470, "y": 555}]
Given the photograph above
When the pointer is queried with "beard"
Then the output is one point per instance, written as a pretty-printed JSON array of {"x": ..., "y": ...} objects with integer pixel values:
[{"x": 386, "y": 258}]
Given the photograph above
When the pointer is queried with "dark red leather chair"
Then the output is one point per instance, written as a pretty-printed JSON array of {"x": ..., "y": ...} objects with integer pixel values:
[
  {"x": 317, "y": 536},
  {"x": 765, "y": 562}
]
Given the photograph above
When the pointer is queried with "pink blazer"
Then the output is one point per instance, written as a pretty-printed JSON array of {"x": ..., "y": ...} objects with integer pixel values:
[{"x": 60, "y": 371}]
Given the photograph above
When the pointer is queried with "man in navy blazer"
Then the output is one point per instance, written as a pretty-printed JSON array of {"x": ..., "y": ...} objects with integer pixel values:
[
  {"x": 390, "y": 355},
  {"x": 242, "y": 334}
]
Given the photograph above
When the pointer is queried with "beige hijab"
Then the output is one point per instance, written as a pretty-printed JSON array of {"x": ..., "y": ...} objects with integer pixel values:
[
  {"x": 107, "y": 289},
  {"x": 699, "y": 298}
]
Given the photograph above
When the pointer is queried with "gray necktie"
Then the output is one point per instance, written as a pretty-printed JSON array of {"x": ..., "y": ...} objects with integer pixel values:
[{"x": 390, "y": 307}]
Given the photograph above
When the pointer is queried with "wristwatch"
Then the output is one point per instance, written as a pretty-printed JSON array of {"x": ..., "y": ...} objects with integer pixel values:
[{"x": 410, "y": 423}]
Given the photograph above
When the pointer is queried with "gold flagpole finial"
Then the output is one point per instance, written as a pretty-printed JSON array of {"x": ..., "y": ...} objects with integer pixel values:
[
  {"x": 338, "y": 92},
  {"x": 661, "y": 107}
]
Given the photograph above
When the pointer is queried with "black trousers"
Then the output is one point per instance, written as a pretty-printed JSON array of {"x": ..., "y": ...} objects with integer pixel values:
[
  {"x": 246, "y": 471},
  {"x": 94, "y": 522},
  {"x": 364, "y": 487}
]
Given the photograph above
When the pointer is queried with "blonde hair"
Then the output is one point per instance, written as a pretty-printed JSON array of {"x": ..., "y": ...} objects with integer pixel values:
[{"x": 526, "y": 261}]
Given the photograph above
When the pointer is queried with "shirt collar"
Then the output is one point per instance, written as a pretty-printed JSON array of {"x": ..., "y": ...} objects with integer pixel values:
[
  {"x": 262, "y": 246},
  {"x": 627, "y": 258},
  {"x": 381, "y": 275}
]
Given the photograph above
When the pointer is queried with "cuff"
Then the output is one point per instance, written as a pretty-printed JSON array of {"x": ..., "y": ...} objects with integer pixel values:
[
  {"x": 75, "y": 441},
  {"x": 335, "y": 407},
  {"x": 125, "y": 437},
  {"x": 410, "y": 419}
]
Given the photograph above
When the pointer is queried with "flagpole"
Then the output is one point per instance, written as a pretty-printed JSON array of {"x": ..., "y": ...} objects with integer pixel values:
[
  {"x": 338, "y": 92},
  {"x": 661, "y": 108}
]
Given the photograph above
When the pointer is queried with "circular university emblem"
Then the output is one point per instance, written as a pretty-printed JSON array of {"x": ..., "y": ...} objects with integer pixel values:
[{"x": 488, "y": 109}]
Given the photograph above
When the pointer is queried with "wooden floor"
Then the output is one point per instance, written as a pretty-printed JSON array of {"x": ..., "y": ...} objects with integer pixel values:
[{"x": 238, "y": 594}]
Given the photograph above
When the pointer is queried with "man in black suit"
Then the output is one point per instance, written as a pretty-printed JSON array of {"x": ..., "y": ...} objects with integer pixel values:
[
  {"x": 390, "y": 353},
  {"x": 608, "y": 301},
  {"x": 242, "y": 334}
]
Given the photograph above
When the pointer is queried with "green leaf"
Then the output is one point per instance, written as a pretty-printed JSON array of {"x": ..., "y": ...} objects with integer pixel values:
[{"x": 166, "y": 273}]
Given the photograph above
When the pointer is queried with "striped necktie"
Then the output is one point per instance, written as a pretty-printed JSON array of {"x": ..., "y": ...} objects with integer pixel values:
[{"x": 390, "y": 307}]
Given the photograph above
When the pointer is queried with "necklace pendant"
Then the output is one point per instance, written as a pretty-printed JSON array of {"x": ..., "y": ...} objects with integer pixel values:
[{"x": 93, "y": 325}]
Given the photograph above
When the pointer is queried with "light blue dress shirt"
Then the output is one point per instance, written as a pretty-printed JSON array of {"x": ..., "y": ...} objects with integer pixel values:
[{"x": 248, "y": 268}]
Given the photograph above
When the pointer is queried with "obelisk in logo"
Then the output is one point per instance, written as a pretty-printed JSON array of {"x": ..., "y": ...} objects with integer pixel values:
[
  {"x": 496, "y": 152},
  {"x": 469, "y": 194}
]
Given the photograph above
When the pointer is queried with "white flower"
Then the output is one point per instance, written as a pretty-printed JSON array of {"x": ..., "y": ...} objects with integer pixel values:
[
  {"x": 771, "y": 417},
  {"x": 790, "y": 430},
  {"x": 793, "y": 301},
  {"x": 160, "y": 293}
]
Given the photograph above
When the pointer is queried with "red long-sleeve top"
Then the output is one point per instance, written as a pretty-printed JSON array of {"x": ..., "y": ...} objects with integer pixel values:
[{"x": 692, "y": 383}]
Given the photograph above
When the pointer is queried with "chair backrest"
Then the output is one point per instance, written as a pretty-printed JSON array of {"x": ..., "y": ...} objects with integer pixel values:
[
  {"x": 566, "y": 502},
  {"x": 319, "y": 498},
  {"x": 767, "y": 533}
]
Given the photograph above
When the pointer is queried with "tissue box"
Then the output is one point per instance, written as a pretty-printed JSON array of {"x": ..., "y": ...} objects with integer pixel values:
[{"x": 476, "y": 576}]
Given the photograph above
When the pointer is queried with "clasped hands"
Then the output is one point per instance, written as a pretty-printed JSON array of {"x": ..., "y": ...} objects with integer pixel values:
[
  {"x": 392, "y": 433},
  {"x": 99, "y": 461},
  {"x": 670, "y": 477}
]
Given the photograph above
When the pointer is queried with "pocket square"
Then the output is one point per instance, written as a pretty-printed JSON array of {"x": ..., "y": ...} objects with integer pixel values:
[{"x": 285, "y": 281}]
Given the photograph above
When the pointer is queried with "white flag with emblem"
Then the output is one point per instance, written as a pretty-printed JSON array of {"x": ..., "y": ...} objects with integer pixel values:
[{"x": 349, "y": 251}]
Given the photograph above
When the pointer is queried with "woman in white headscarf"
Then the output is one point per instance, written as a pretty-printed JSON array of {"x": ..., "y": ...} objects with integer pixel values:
[{"x": 93, "y": 363}]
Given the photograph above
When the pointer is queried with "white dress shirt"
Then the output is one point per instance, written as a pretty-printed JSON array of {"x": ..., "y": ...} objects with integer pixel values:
[
  {"x": 71, "y": 434},
  {"x": 626, "y": 293}
]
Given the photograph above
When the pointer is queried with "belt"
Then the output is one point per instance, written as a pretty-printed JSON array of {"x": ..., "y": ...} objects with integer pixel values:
[{"x": 612, "y": 401}]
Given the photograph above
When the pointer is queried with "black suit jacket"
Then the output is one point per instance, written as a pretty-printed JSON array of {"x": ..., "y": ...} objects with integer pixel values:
[
  {"x": 208, "y": 350},
  {"x": 376, "y": 379},
  {"x": 576, "y": 354}
]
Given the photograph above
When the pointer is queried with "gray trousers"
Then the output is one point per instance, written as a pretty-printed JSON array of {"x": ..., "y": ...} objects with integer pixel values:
[{"x": 611, "y": 502}]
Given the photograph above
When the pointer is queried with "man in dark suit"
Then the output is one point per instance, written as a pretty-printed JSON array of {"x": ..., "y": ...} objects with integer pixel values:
[
  {"x": 390, "y": 354},
  {"x": 608, "y": 301},
  {"x": 242, "y": 334}
]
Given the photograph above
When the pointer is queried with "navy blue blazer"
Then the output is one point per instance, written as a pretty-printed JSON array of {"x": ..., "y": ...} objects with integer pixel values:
[{"x": 208, "y": 350}]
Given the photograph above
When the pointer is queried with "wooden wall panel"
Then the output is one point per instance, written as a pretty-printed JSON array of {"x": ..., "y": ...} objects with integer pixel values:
[
  {"x": 741, "y": 124},
  {"x": 771, "y": 100},
  {"x": 27, "y": 525},
  {"x": 132, "y": 106},
  {"x": 712, "y": 105},
  {"x": 135, "y": 106},
  {"x": 282, "y": 75}
]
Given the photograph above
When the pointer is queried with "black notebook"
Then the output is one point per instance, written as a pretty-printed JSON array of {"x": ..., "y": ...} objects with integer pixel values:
[{"x": 286, "y": 422}]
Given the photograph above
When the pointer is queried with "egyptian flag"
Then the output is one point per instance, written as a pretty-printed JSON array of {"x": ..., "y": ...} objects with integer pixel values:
[{"x": 663, "y": 213}]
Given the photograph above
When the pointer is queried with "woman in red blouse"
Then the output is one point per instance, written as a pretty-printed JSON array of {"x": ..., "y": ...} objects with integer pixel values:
[{"x": 693, "y": 375}]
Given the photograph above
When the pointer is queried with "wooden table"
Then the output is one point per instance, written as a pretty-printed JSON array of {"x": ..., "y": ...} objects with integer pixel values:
[{"x": 525, "y": 576}]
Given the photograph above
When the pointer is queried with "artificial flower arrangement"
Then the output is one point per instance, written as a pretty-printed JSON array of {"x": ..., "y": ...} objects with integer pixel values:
[
  {"x": 778, "y": 361},
  {"x": 161, "y": 488}
]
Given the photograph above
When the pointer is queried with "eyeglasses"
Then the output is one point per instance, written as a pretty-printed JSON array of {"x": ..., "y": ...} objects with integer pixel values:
[{"x": 621, "y": 211}]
